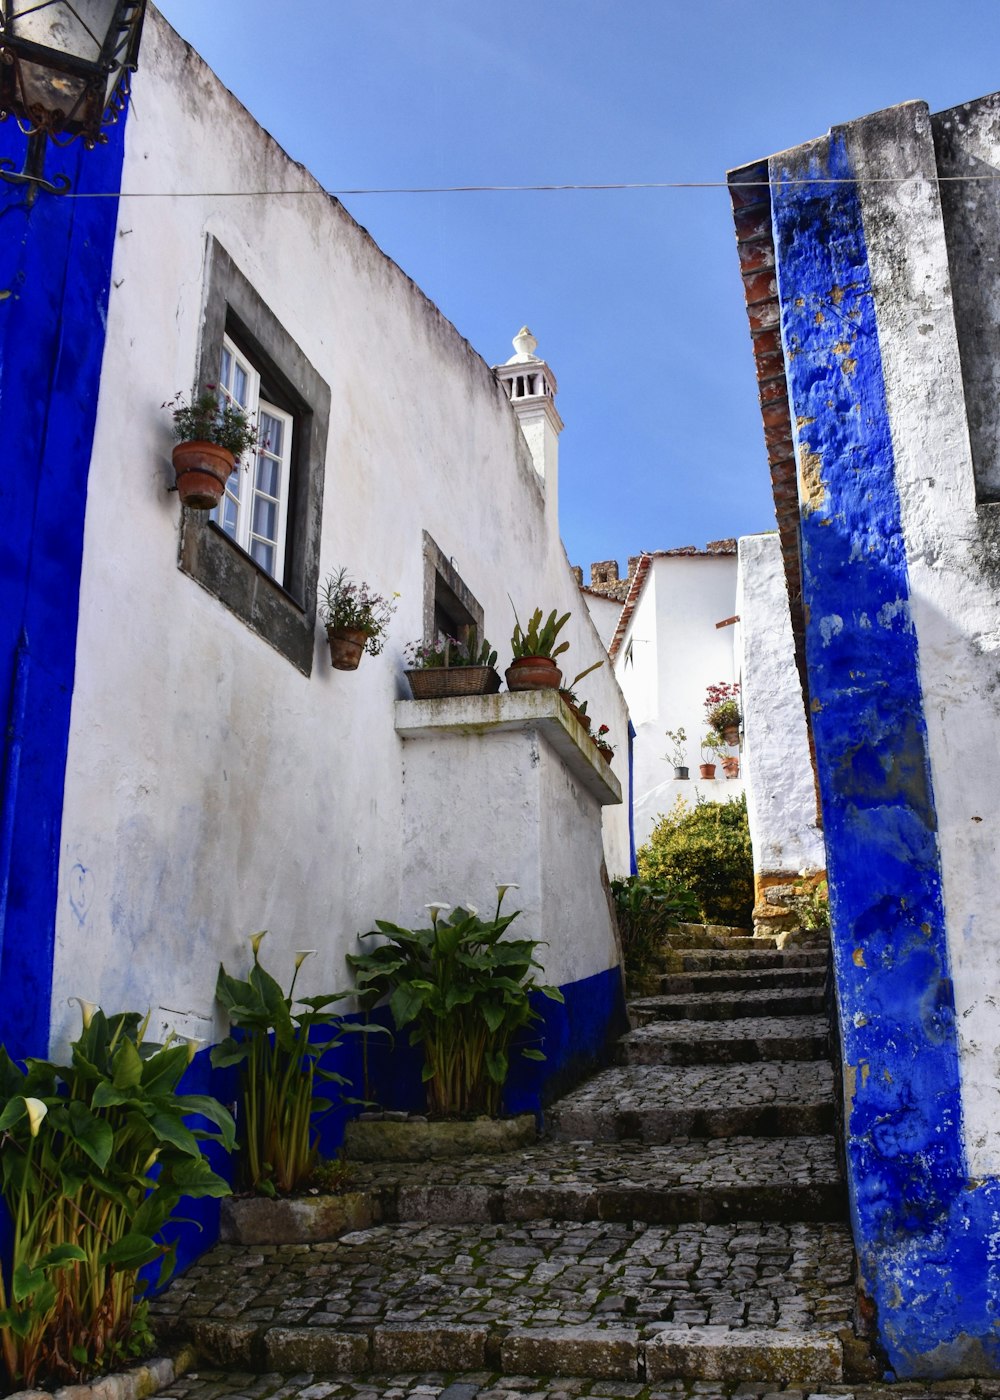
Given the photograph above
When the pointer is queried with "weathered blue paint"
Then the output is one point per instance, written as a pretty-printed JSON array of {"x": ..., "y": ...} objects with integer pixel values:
[
  {"x": 55, "y": 273},
  {"x": 926, "y": 1235}
]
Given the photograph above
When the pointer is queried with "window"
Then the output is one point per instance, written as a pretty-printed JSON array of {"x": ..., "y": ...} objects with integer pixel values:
[
  {"x": 259, "y": 552},
  {"x": 254, "y": 510},
  {"x": 450, "y": 609}
]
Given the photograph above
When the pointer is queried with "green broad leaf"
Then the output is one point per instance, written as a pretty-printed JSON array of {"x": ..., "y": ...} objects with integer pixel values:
[
  {"x": 70, "y": 1181},
  {"x": 62, "y": 1256},
  {"x": 168, "y": 1263},
  {"x": 496, "y": 1065},
  {"x": 321, "y": 1003},
  {"x": 126, "y": 1066},
  {"x": 228, "y": 1052},
  {"x": 26, "y": 1281},
  {"x": 194, "y": 1177},
  {"x": 107, "y": 1096},
  {"x": 406, "y": 1003},
  {"x": 553, "y": 993},
  {"x": 80, "y": 1355},
  {"x": 131, "y": 1251},
  {"x": 14, "y": 1110},
  {"x": 92, "y": 1135},
  {"x": 427, "y": 1073},
  {"x": 493, "y": 1015},
  {"x": 214, "y": 1111},
  {"x": 161, "y": 1074},
  {"x": 168, "y": 1128},
  {"x": 532, "y": 1055}
]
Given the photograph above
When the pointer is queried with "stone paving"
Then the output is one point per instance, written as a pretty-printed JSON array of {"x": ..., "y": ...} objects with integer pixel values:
[
  {"x": 747, "y": 1039},
  {"x": 724, "y": 1006},
  {"x": 654, "y": 1103},
  {"x": 489, "y": 1385}
]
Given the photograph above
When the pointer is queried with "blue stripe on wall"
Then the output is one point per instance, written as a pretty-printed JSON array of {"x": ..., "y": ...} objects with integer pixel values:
[
  {"x": 55, "y": 270},
  {"x": 925, "y": 1237}
]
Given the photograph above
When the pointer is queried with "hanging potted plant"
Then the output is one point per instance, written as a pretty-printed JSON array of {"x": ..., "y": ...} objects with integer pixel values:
[
  {"x": 355, "y": 617},
  {"x": 712, "y": 746},
  {"x": 212, "y": 435},
  {"x": 451, "y": 667},
  {"x": 731, "y": 765},
  {"x": 535, "y": 651},
  {"x": 722, "y": 710},
  {"x": 677, "y": 739}
]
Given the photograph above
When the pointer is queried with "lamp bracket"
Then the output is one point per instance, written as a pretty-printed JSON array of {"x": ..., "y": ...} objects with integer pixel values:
[{"x": 32, "y": 172}]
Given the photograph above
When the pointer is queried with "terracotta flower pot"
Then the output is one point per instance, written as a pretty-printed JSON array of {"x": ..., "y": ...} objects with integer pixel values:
[
  {"x": 533, "y": 673},
  {"x": 706, "y": 770},
  {"x": 347, "y": 645},
  {"x": 202, "y": 470},
  {"x": 731, "y": 734},
  {"x": 731, "y": 766}
]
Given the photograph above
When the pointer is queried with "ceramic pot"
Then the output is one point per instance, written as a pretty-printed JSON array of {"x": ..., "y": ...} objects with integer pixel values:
[
  {"x": 731, "y": 734},
  {"x": 533, "y": 673},
  {"x": 347, "y": 645},
  {"x": 202, "y": 470},
  {"x": 731, "y": 766},
  {"x": 706, "y": 770},
  {"x": 680, "y": 771}
]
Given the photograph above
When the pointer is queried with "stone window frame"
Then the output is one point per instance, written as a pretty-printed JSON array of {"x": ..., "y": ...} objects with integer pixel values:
[
  {"x": 446, "y": 591},
  {"x": 283, "y": 615}
]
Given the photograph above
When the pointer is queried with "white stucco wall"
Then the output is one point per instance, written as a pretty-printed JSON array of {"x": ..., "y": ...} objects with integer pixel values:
[
  {"x": 676, "y": 652},
  {"x": 781, "y": 796},
  {"x": 605, "y": 612},
  {"x": 952, "y": 551},
  {"x": 212, "y": 789}
]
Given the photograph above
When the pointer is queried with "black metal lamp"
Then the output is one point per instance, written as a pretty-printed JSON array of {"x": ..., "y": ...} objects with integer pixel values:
[{"x": 64, "y": 72}]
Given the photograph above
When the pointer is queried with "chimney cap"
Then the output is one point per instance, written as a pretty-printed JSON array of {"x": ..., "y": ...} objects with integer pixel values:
[{"x": 525, "y": 345}]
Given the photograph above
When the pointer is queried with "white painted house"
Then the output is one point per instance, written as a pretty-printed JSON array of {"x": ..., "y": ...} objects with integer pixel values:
[{"x": 183, "y": 766}]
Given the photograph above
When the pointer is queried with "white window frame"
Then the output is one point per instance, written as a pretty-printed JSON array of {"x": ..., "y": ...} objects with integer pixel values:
[{"x": 235, "y": 516}]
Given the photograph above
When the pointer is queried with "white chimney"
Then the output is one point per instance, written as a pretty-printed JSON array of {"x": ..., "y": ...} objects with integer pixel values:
[{"x": 532, "y": 388}]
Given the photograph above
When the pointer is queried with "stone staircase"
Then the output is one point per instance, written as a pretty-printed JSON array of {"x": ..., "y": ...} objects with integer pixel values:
[{"x": 683, "y": 1220}]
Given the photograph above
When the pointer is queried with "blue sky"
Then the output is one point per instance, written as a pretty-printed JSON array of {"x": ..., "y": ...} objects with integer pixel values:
[{"x": 634, "y": 296}]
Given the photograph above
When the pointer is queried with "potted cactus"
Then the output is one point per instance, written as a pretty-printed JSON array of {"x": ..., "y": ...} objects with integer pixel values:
[{"x": 535, "y": 651}]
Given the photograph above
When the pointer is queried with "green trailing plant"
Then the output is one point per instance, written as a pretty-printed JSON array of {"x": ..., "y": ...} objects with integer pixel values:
[
  {"x": 280, "y": 1049},
  {"x": 464, "y": 991},
  {"x": 355, "y": 606},
  {"x": 212, "y": 417},
  {"x": 539, "y": 638},
  {"x": 705, "y": 849},
  {"x": 646, "y": 915},
  {"x": 95, "y": 1156}
]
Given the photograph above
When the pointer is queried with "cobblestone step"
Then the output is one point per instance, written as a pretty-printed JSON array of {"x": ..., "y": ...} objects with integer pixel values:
[
  {"x": 725, "y": 1006},
  {"x": 787, "y": 1179},
  {"x": 207, "y": 1384},
  {"x": 748, "y": 1040},
  {"x": 600, "y": 1299},
  {"x": 654, "y": 1103},
  {"x": 703, "y": 959},
  {"x": 743, "y": 979}
]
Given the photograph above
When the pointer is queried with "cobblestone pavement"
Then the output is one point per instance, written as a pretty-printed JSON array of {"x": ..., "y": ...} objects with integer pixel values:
[
  {"x": 689, "y": 1162},
  {"x": 486, "y": 1385},
  {"x": 697, "y": 1006},
  {"x": 568, "y": 1274},
  {"x": 752, "y": 1038}
]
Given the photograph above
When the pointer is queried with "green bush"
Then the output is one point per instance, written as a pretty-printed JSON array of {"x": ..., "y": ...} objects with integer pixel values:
[
  {"x": 646, "y": 914},
  {"x": 705, "y": 849}
]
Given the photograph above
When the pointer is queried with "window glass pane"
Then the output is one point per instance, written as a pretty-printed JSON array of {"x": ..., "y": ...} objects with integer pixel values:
[
  {"x": 268, "y": 475},
  {"x": 240, "y": 385},
  {"x": 265, "y": 517},
  {"x": 263, "y": 554},
  {"x": 230, "y": 517},
  {"x": 271, "y": 430},
  {"x": 227, "y": 368}
]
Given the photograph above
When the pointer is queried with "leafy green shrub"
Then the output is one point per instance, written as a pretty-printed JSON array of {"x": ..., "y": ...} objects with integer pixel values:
[
  {"x": 705, "y": 849},
  {"x": 280, "y": 1051},
  {"x": 646, "y": 914},
  {"x": 80, "y": 1143},
  {"x": 464, "y": 990}
]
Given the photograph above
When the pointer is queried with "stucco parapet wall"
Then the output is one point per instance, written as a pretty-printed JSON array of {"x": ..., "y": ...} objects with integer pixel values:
[{"x": 534, "y": 711}]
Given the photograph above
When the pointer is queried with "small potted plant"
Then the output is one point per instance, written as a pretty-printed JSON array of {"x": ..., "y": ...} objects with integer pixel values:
[
  {"x": 212, "y": 435},
  {"x": 722, "y": 710},
  {"x": 450, "y": 667},
  {"x": 712, "y": 746},
  {"x": 731, "y": 765},
  {"x": 678, "y": 752},
  {"x": 356, "y": 619},
  {"x": 535, "y": 651},
  {"x": 606, "y": 750}
]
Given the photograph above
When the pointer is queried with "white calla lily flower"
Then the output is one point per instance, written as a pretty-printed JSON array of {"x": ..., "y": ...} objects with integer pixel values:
[
  {"x": 255, "y": 939},
  {"x": 36, "y": 1112},
  {"x": 436, "y": 910},
  {"x": 87, "y": 1009},
  {"x": 301, "y": 954},
  {"x": 194, "y": 1044}
]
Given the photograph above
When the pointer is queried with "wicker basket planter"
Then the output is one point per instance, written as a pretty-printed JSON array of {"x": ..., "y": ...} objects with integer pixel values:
[{"x": 438, "y": 682}]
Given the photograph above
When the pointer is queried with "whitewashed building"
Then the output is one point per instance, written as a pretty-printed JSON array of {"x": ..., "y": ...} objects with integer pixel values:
[{"x": 182, "y": 764}]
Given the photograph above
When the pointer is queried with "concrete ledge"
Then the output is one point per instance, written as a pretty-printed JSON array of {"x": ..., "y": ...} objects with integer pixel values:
[
  {"x": 422, "y": 1139},
  {"x": 572, "y": 1351},
  {"x": 316, "y": 1349},
  {"x": 433, "y": 1348},
  {"x": 136, "y": 1384},
  {"x": 722, "y": 1354},
  {"x": 293, "y": 1220},
  {"x": 541, "y": 711}
]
